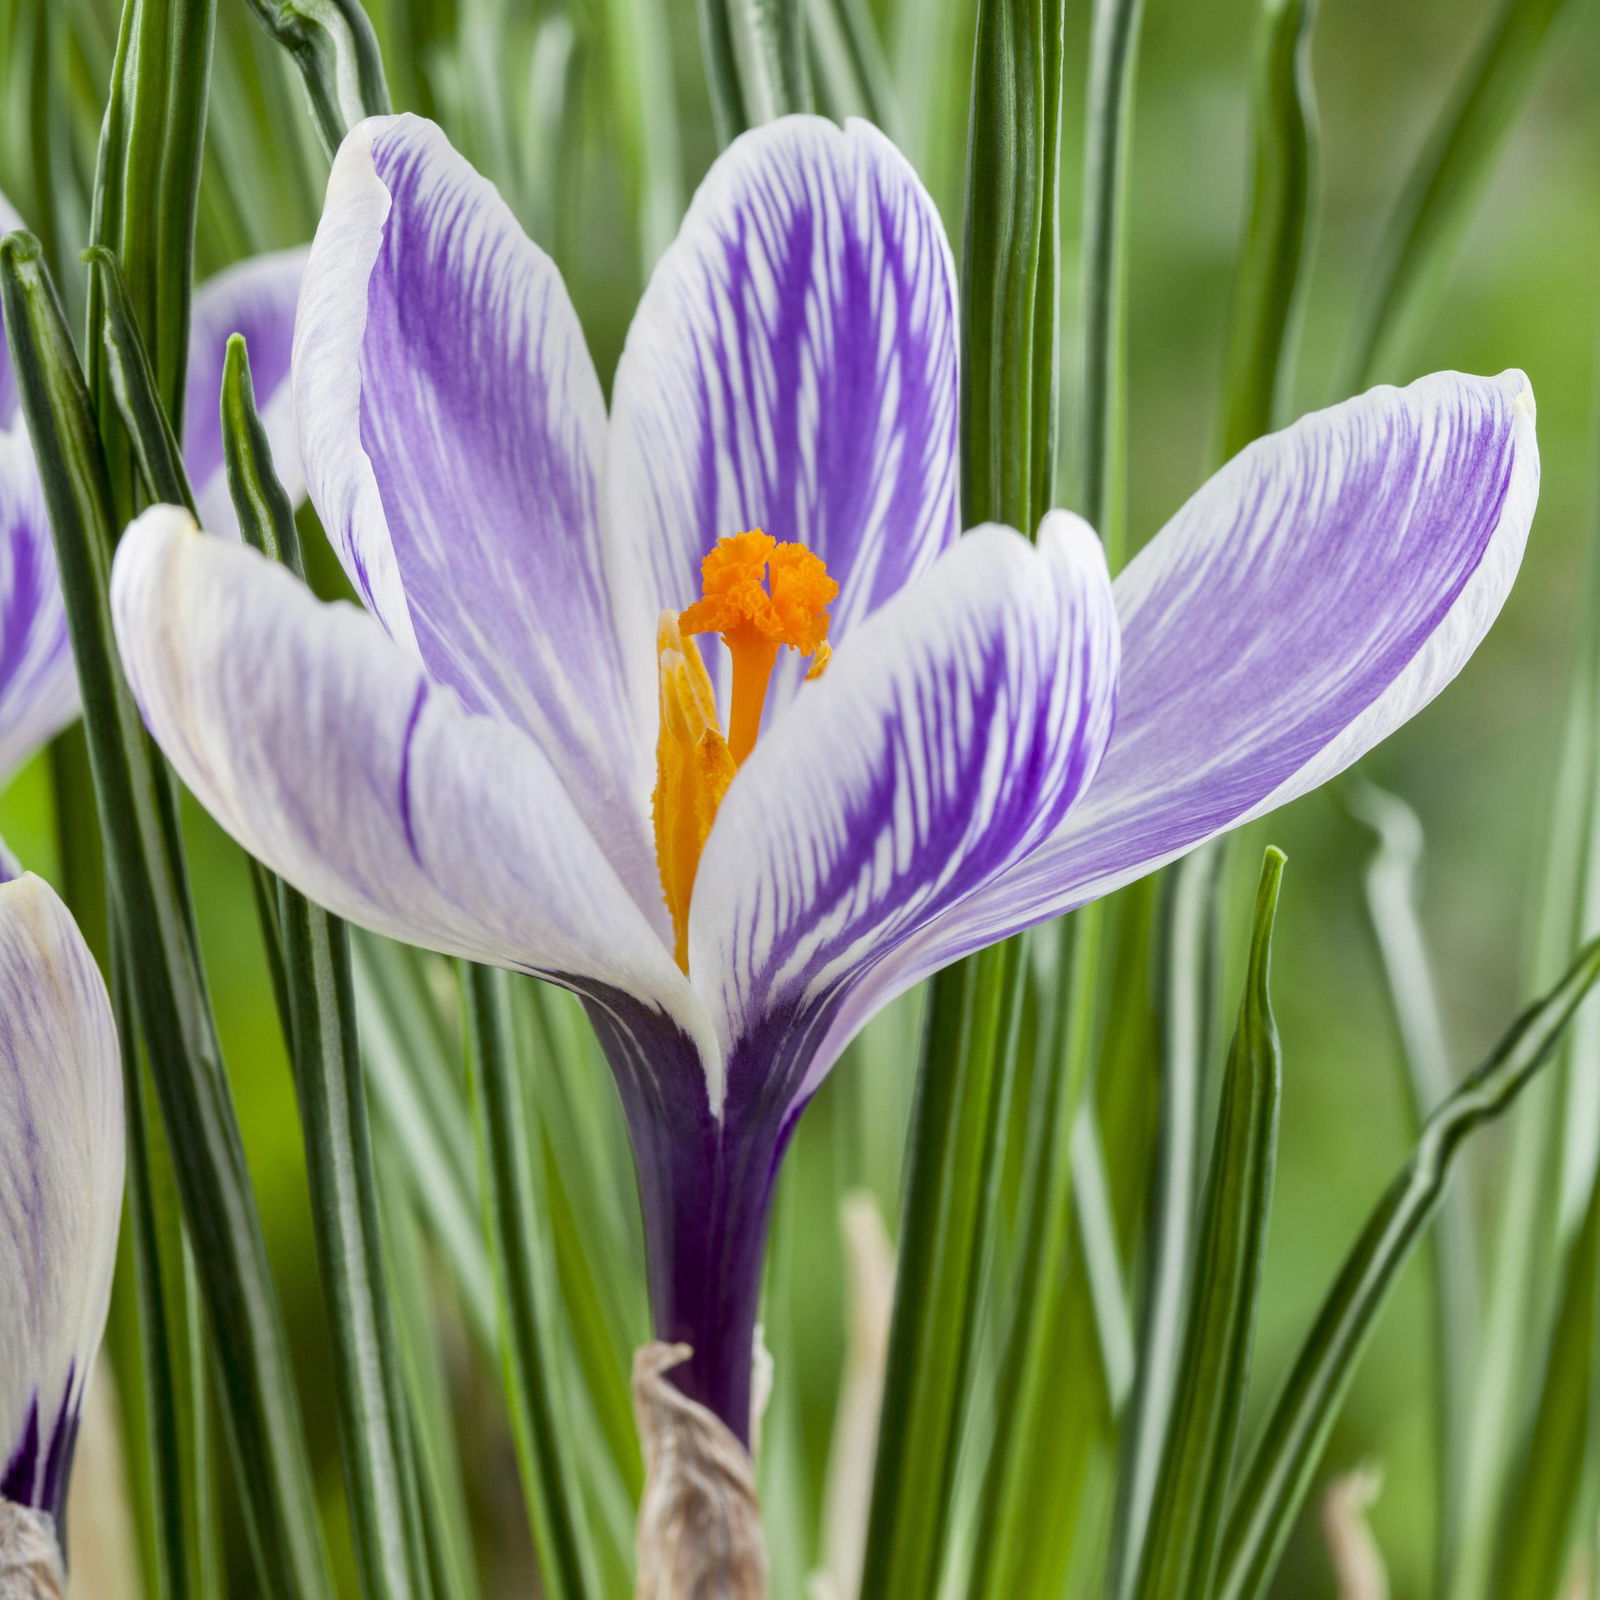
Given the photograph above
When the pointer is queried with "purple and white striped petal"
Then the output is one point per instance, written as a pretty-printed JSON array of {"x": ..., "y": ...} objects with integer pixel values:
[
  {"x": 453, "y": 431},
  {"x": 792, "y": 367},
  {"x": 329, "y": 754},
  {"x": 61, "y": 1156},
  {"x": 1318, "y": 592},
  {"x": 256, "y": 298},
  {"x": 38, "y": 684},
  {"x": 952, "y": 733}
]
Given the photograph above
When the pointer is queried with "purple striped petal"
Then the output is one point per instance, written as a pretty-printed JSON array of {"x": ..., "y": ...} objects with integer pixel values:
[
  {"x": 453, "y": 429},
  {"x": 256, "y": 298},
  {"x": 328, "y": 753},
  {"x": 1313, "y": 596},
  {"x": 792, "y": 367},
  {"x": 952, "y": 733},
  {"x": 61, "y": 1154},
  {"x": 38, "y": 686}
]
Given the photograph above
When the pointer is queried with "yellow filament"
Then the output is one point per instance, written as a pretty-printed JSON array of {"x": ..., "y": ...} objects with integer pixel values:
[{"x": 760, "y": 596}]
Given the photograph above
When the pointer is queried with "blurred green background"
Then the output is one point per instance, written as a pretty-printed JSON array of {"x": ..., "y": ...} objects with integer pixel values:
[{"x": 533, "y": 94}]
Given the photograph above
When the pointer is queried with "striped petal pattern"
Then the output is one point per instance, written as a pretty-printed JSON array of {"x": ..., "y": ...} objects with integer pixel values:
[
  {"x": 453, "y": 431},
  {"x": 792, "y": 367},
  {"x": 61, "y": 1163},
  {"x": 953, "y": 731},
  {"x": 1316, "y": 594}
]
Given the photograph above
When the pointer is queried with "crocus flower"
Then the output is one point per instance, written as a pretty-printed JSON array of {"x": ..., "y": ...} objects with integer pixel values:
[
  {"x": 38, "y": 686},
  {"x": 61, "y": 1157},
  {"x": 537, "y": 752}
]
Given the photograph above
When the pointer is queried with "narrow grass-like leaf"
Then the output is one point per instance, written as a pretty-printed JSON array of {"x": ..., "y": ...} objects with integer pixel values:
[
  {"x": 333, "y": 45},
  {"x": 1113, "y": 48},
  {"x": 138, "y": 821},
  {"x": 1521, "y": 1287},
  {"x": 1008, "y": 279},
  {"x": 1285, "y": 1457},
  {"x": 755, "y": 61},
  {"x": 147, "y": 185},
  {"x": 320, "y": 1028},
  {"x": 1551, "y": 1502},
  {"x": 1050, "y": 1265},
  {"x": 1277, "y": 237},
  {"x": 729, "y": 110},
  {"x": 853, "y": 75},
  {"x": 1420, "y": 237},
  {"x": 427, "y": 1116},
  {"x": 133, "y": 386},
  {"x": 525, "y": 1282},
  {"x": 951, "y": 1179},
  {"x": 173, "y": 1360},
  {"x": 1391, "y": 900},
  {"x": 1187, "y": 960},
  {"x": 442, "y": 1498},
  {"x": 1179, "y": 1553}
]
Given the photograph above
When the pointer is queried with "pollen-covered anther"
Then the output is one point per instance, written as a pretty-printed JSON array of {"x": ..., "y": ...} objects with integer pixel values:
[
  {"x": 760, "y": 596},
  {"x": 693, "y": 771}
]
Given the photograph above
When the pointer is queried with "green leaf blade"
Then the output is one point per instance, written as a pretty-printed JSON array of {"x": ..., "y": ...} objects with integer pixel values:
[{"x": 1185, "y": 1526}]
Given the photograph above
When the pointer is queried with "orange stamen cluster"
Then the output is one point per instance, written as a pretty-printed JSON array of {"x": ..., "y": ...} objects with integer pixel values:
[
  {"x": 760, "y": 596},
  {"x": 757, "y": 614}
]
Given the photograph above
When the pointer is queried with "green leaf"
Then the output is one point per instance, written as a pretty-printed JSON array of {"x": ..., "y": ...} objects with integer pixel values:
[
  {"x": 755, "y": 61},
  {"x": 1179, "y": 1553},
  {"x": 854, "y": 78},
  {"x": 964, "y": 1076},
  {"x": 413, "y": 1072},
  {"x": 1113, "y": 47},
  {"x": 1550, "y": 1505},
  {"x": 1009, "y": 266},
  {"x": 1285, "y": 1457},
  {"x": 1391, "y": 881},
  {"x": 320, "y": 1028},
  {"x": 137, "y": 810},
  {"x": 510, "y": 1161},
  {"x": 1422, "y": 233},
  {"x": 442, "y": 1496},
  {"x": 333, "y": 45},
  {"x": 147, "y": 187},
  {"x": 133, "y": 386},
  {"x": 1050, "y": 1268},
  {"x": 1271, "y": 271},
  {"x": 1522, "y": 1282},
  {"x": 173, "y": 1365},
  {"x": 1188, "y": 958}
]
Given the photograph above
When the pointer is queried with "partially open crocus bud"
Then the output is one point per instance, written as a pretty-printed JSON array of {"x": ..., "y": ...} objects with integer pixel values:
[{"x": 61, "y": 1167}]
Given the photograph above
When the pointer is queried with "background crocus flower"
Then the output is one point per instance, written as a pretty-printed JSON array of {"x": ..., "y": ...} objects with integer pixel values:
[
  {"x": 61, "y": 1164},
  {"x": 531, "y": 768},
  {"x": 38, "y": 686}
]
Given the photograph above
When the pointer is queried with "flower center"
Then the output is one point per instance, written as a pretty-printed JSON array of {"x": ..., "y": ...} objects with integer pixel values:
[{"x": 759, "y": 595}]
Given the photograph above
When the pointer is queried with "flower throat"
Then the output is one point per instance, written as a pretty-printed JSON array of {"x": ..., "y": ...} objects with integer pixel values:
[{"x": 760, "y": 596}]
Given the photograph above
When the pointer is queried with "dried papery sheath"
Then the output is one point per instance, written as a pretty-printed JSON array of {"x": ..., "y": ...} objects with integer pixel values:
[
  {"x": 699, "y": 1532},
  {"x": 1352, "y": 1549},
  {"x": 61, "y": 1160},
  {"x": 30, "y": 1562}
]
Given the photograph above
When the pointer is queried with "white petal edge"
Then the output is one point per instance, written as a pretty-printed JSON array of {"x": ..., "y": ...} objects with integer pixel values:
[
  {"x": 1015, "y": 902},
  {"x": 61, "y": 1165},
  {"x": 321, "y": 746}
]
